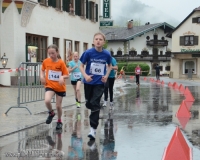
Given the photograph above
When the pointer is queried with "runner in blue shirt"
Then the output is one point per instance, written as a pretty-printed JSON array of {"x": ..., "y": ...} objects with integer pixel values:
[{"x": 95, "y": 75}]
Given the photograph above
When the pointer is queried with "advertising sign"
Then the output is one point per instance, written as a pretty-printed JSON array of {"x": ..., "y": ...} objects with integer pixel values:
[
  {"x": 31, "y": 55},
  {"x": 106, "y": 8}
]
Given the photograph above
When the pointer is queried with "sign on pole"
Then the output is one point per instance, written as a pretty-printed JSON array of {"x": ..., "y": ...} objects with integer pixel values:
[{"x": 106, "y": 8}]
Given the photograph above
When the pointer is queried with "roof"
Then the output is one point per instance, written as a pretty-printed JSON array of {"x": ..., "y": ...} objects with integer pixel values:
[
  {"x": 124, "y": 34},
  {"x": 196, "y": 9}
]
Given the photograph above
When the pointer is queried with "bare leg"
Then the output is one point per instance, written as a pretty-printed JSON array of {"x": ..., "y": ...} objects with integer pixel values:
[
  {"x": 78, "y": 92},
  {"x": 48, "y": 97},
  {"x": 74, "y": 86},
  {"x": 58, "y": 106}
]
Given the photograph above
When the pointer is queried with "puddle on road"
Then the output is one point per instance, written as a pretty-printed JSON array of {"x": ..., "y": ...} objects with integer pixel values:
[{"x": 140, "y": 126}]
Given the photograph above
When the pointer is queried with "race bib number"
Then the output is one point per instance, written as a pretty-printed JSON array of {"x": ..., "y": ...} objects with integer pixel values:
[
  {"x": 77, "y": 75},
  {"x": 97, "y": 68},
  {"x": 138, "y": 71},
  {"x": 54, "y": 75}
]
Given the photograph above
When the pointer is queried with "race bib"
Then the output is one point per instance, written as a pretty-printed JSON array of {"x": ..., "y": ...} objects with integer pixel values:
[
  {"x": 54, "y": 75},
  {"x": 97, "y": 68},
  {"x": 77, "y": 75},
  {"x": 138, "y": 71}
]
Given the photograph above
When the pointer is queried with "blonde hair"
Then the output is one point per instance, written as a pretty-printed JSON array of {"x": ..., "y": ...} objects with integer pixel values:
[
  {"x": 76, "y": 53},
  {"x": 99, "y": 33}
]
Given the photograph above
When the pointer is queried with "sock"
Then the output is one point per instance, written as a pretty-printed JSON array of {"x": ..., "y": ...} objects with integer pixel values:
[
  {"x": 76, "y": 100},
  {"x": 51, "y": 112},
  {"x": 59, "y": 135},
  {"x": 59, "y": 120}
]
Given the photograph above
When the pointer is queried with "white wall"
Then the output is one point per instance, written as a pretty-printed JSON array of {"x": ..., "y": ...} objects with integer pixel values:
[
  {"x": 187, "y": 26},
  {"x": 45, "y": 21}
]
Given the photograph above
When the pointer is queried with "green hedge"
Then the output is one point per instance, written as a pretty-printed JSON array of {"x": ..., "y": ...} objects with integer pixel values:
[{"x": 130, "y": 68}]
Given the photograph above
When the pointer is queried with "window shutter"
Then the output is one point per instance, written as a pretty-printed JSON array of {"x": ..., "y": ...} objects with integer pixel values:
[
  {"x": 54, "y": 3},
  {"x": 87, "y": 9},
  {"x": 196, "y": 40},
  {"x": 194, "y": 20},
  {"x": 66, "y": 5},
  {"x": 90, "y": 10},
  {"x": 182, "y": 40},
  {"x": 50, "y": 2},
  {"x": 78, "y": 7},
  {"x": 97, "y": 12}
]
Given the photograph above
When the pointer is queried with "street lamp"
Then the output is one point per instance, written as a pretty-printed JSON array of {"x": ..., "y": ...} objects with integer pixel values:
[{"x": 4, "y": 60}]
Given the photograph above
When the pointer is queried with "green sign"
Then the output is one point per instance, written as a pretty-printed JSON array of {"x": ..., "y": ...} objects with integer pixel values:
[
  {"x": 106, "y": 8},
  {"x": 106, "y": 23},
  {"x": 190, "y": 50}
]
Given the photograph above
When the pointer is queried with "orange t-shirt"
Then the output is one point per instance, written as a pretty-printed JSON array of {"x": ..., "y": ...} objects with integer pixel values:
[{"x": 53, "y": 71}]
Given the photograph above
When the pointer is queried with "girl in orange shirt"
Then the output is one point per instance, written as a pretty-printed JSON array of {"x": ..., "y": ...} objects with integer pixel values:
[{"x": 53, "y": 74}]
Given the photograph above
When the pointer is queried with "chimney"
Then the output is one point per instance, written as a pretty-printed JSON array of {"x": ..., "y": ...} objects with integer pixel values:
[{"x": 130, "y": 24}]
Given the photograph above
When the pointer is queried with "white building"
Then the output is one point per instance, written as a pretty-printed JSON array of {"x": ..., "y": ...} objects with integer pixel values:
[
  {"x": 40, "y": 23},
  {"x": 186, "y": 47},
  {"x": 145, "y": 44}
]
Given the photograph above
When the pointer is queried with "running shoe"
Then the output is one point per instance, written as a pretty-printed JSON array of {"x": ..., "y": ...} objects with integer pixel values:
[
  {"x": 50, "y": 118},
  {"x": 59, "y": 126}
]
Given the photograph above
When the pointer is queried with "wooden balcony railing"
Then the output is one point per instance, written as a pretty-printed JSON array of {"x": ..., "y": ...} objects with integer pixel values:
[{"x": 142, "y": 58}]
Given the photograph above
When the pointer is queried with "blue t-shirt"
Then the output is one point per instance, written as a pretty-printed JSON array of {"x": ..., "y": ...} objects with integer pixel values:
[
  {"x": 76, "y": 73},
  {"x": 95, "y": 64},
  {"x": 112, "y": 72}
]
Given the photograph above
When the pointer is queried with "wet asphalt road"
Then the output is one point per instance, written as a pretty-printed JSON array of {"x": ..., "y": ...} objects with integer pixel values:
[{"x": 139, "y": 128}]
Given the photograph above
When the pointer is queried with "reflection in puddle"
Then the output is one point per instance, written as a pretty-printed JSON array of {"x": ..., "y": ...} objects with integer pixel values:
[{"x": 143, "y": 121}]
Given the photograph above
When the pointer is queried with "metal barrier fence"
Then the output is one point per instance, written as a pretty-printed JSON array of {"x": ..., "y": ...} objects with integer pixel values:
[{"x": 30, "y": 88}]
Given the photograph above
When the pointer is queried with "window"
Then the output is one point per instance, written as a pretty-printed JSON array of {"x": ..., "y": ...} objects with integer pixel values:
[
  {"x": 77, "y": 46},
  {"x": 189, "y": 65},
  {"x": 42, "y": 2},
  {"x": 68, "y": 50},
  {"x": 80, "y": 8},
  {"x": 155, "y": 37},
  {"x": 85, "y": 46},
  {"x": 56, "y": 41},
  {"x": 58, "y": 4},
  {"x": 196, "y": 20},
  {"x": 189, "y": 40},
  {"x": 40, "y": 42},
  {"x": 92, "y": 11}
]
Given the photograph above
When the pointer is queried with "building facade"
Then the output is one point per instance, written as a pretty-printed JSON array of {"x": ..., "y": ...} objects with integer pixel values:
[
  {"x": 32, "y": 25},
  {"x": 144, "y": 44},
  {"x": 186, "y": 48}
]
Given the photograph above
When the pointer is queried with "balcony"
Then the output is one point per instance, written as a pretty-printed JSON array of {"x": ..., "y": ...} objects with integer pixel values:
[
  {"x": 157, "y": 43},
  {"x": 142, "y": 58}
]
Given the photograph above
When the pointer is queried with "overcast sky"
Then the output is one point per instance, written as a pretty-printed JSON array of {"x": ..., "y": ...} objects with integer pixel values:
[
  {"x": 153, "y": 11},
  {"x": 178, "y": 9}
]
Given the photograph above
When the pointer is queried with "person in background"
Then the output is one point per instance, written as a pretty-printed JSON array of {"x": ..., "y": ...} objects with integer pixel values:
[
  {"x": 122, "y": 74},
  {"x": 157, "y": 68},
  {"x": 53, "y": 74},
  {"x": 95, "y": 76},
  {"x": 138, "y": 71},
  {"x": 76, "y": 77},
  {"x": 109, "y": 84}
]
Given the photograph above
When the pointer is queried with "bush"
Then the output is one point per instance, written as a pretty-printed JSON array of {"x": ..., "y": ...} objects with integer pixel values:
[{"x": 130, "y": 68}]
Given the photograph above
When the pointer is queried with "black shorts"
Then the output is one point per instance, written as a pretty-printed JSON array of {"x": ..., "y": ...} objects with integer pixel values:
[
  {"x": 61, "y": 94},
  {"x": 74, "y": 82}
]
